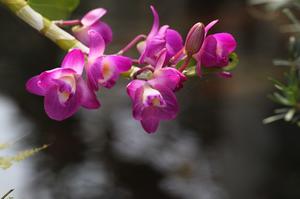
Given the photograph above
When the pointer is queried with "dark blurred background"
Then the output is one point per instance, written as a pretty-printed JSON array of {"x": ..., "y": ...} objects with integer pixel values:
[{"x": 217, "y": 148}]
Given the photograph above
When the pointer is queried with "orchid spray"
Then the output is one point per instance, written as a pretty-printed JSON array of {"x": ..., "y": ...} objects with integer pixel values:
[{"x": 166, "y": 61}]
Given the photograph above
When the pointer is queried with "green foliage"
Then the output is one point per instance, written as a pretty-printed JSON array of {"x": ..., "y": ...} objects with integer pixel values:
[
  {"x": 54, "y": 9},
  {"x": 7, "y": 162},
  {"x": 287, "y": 95}
]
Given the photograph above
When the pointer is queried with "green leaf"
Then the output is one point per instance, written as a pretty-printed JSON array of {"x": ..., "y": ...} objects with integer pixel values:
[
  {"x": 54, "y": 9},
  {"x": 233, "y": 62}
]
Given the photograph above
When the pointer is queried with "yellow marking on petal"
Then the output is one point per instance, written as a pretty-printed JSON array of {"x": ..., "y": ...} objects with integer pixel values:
[
  {"x": 152, "y": 97},
  {"x": 63, "y": 96},
  {"x": 156, "y": 102},
  {"x": 107, "y": 71},
  {"x": 70, "y": 80}
]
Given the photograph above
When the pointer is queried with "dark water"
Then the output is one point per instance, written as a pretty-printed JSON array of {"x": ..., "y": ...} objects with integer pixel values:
[{"x": 217, "y": 148}]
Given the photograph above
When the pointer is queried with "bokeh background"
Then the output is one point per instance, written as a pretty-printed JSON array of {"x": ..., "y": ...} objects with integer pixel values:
[{"x": 217, "y": 148}]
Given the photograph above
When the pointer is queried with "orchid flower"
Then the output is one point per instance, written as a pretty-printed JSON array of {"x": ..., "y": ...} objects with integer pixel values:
[
  {"x": 91, "y": 21},
  {"x": 63, "y": 88},
  {"x": 158, "y": 39},
  {"x": 103, "y": 69},
  {"x": 153, "y": 98},
  {"x": 215, "y": 50}
]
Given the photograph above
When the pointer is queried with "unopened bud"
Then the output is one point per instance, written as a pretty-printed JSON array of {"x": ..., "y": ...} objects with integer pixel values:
[{"x": 195, "y": 39}]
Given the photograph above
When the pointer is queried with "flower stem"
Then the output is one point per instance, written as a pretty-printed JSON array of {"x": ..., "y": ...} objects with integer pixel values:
[
  {"x": 175, "y": 58},
  {"x": 62, "y": 23},
  {"x": 185, "y": 64},
  {"x": 132, "y": 43},
  {"x": 46, "y": 27}
]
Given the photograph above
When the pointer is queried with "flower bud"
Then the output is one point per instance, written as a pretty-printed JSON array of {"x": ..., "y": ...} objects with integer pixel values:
[{"x": 195, "y": 39}]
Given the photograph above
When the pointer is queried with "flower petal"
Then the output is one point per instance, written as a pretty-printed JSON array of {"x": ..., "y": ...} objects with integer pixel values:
[
  {"x": 171, "y": 109},
  {"x": 33, "y": 86},
  {"x": 104, "y": 30},
  {"x": 155, "y": 25},
  {"x": 169, "y": 77},
  {"x": 213, "y": 54},
  {"x": 93, "y": 73},
  {"x": 55, "y": 109},
  {"x": 210, "y": 25},
  {"x": 225, "y": 75},
  {"x": 88, "y": 97},
  {"x": 97, "y": 45},
  {"x": 226, "y": 40},
  {"x": 152, "y": 49},
  {"x": 150, "y": 119},
  {"x": 138, "y": 105},
  {"x": 41, "y": 83},
  {"x": 93, "y": 16},
  {"x": 174, "y": 42},
  {"x": 122, "y": 63},
  {"x": 74, "y": 60},
  {"x": 161, "y": 59},
  {"x": 133, "y": 86}
]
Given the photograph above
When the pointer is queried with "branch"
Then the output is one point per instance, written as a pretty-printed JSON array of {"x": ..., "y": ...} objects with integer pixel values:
[
  {"x": 3, "y": 197},
  {"x": 46, "y": 27}
]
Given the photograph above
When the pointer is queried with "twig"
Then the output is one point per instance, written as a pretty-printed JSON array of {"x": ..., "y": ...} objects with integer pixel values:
[{"x": 3, "y": 197}]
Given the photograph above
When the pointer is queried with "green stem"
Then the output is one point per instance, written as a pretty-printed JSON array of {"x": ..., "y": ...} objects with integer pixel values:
[{"x": 46, "y": 27}]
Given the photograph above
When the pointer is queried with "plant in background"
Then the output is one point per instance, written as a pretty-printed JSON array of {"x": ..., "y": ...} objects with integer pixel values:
[
  {"x": 287, "y": 93},
  {"x": 164, "y": 63},
  {"x": 7, "y": 162},
  {"x": 7, "y": 195}
]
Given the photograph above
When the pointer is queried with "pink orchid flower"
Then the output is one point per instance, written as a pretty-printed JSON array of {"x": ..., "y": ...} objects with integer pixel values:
[
  {"x": 158, "y": 39},
  {"x": 215, "y": 50},
  {"x": 91, "y": 21},
  {"x": 154, "y": 99},
  {"x": 103, "y": 69},
  {"x": 63, "y": 88}
]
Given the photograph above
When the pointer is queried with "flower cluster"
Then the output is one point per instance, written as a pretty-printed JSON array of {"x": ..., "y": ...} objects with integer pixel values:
[{"x": 164, "y": 63}]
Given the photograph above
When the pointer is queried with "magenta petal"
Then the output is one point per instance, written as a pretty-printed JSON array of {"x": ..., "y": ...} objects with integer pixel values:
[
  {"x": 169, "y": 77},
  {"x": 41, "y": 83},
  {"x": 226, "y": 40},
  {"x": 161, "y": 59},
  {"x": 213, "y": 54},
  {"x": 174, "y": 42},
  {"x": 33, "y": 86},
  {"x": 74, "y": 60},
  {"x": 150, "y": 119},
  {"x": 133, "y": 86},
  {"x": 93, "y": 16},
  {"x": 138, "y": 106},
  {"x": 208, "y": 53},
  {"x": 155, "y": 25},
  {"x": 97, "y": 45},
  {"x": 57, "y": 111},
  {"x": 94, "y": 73},
  {"x": 153, "y": 47},
  {"x": 210, "y": 25},
  {"x": 226, "y": 75},
  {"x": 171, "y": 109},
  {"x": 88, "y": 97},
  {"x": 104, "y": 30},
  {"x": 122, "y": 63}
]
